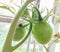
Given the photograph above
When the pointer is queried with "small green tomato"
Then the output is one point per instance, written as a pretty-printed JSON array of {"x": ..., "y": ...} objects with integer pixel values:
[{"x": 42, "y": 32}]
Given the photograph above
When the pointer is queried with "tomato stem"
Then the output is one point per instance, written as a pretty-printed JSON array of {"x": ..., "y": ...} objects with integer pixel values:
[
  {"x": 7, "y": 45},
  {"x": 47, "y": 50}
]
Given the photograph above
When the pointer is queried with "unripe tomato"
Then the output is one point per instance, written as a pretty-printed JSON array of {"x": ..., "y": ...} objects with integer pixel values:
[
  {"x": 42, "y": 32},
  {"x": 19, "y": 33}
]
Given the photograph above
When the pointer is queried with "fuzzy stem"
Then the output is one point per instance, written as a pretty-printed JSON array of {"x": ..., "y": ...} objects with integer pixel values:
[{"x": 7, "y": 45}]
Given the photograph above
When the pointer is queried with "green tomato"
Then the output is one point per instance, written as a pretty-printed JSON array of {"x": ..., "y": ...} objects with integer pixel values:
[
  {"x": 42, "y": 32},
  {"x": 19, "y": 33}
]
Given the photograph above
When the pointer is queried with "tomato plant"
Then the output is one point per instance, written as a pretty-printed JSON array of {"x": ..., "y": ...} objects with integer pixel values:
[
  {"x": 7, "y": 45},
  {"x": 41, "y": 29}
]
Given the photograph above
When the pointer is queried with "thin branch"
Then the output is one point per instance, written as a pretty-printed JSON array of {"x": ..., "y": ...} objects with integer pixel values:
[
  {"x": 28, "y": 44},
  {"x": 47, "y": 50},
  {"x": 34, "y": 46}
]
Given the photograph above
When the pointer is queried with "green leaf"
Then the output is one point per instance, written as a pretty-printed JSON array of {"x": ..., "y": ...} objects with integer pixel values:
[{"x": 7, "y": 8}]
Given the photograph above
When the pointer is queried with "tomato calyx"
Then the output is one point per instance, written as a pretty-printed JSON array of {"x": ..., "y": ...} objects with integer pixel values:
[
  {"x": 36, "y": 15},
  {"x": 39, "y": 14}
]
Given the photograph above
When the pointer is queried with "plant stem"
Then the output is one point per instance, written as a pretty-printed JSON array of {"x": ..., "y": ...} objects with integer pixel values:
[
  {"x": 47, "y": 50},
  {"x": 34, "y": 47},
  {"x": 7, "y": 45},
  {"x": 28, "y": 44}
]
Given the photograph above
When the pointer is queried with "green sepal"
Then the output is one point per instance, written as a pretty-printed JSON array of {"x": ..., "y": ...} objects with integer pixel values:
[{"x": 36, "y": 14}]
